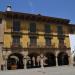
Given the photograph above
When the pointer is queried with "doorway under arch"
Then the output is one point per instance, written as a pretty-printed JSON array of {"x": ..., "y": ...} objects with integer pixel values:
[
  {"x": 63, "y": 59},
  {"x": 50, "y": 61},
  {"x": 15, "y": 61}
]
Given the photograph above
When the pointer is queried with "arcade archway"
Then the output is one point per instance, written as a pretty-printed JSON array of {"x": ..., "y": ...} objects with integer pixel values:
[
  {"x": 63, "y": 59},
  {"x": 32, "y": 62},
  {"x": 50, "y": 61},
  {"x": 15, "y": 61}
]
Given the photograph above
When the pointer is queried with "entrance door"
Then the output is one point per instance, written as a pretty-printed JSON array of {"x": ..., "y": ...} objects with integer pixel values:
[
  {"x": 63, "y": 59},
  {"x": 50, "y": 61},
  {"x": 15, "y": 61}
]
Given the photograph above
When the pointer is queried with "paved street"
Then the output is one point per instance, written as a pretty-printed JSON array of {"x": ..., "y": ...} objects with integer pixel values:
[{"x": 64, "y": 70}]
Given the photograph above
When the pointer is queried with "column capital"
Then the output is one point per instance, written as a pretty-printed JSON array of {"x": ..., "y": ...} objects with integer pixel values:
[{"x": 41, "y": 55}]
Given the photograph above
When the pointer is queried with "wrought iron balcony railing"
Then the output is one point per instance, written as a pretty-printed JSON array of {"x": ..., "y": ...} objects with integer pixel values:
[
  {"x": 61, "y": 36},
  {"x": 44, "y": 46},
  {"x": 62, "y": 46},
  {"x": 16, "y": 45},
  {"x": 39, "y": 45},
  {"x": 35, "y": 34},
  {"x": 16, "y": 33},
  {"x": 49, "y": 35}
]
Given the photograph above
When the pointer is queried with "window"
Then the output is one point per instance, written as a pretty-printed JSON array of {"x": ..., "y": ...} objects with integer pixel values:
[
  {"x": 59, "y": 30},
  {"x": 33, "y": 41},
  {"x": 32, "y": 27},
  {"x": 61, "y": 42},
  {"x": 48, "y": 41},
  {"x": 0, "y": 20},
  {"x": 16, "y": 40},
  {"x": 16, "y": 25},
  {"x": 47, "y": 28}
]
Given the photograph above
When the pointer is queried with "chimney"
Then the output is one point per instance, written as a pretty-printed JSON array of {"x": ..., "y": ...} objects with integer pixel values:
[{"x": 9, "y": 8}]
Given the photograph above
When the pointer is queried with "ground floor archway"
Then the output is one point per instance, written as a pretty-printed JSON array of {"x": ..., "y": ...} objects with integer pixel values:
[
  {"x": 15, "y": 61},
  {"x": 63, "y": 59},
  {"x": 50, "y": 61},
  {"x": 32, "y": 62}
]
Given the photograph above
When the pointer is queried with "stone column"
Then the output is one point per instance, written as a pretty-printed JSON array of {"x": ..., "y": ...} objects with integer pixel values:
[
  {"x": 38, "y": 60},
  {"x": 33, "y": 58},
  {"x": 70, "y": 57},
  {"x": 56, "y": 61},
  {"x": 71, "y": 60},
  {"x": 5, "y": 64},
  {"x": 56, "y": 58},
  {"x": 42, "y": 61},
  {"x": 25, "y": 61}
]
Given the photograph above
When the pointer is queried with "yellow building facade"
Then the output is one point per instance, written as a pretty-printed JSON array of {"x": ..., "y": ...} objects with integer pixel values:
[{"x": 29, "y": 40}]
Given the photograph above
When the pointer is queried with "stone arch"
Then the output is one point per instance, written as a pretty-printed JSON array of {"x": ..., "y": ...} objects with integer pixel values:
[
  {"x": 50, "y": 61},
  {"x": 32, "y": 63},
  {"x": 63, "y": 58},
  {"x": 15, "y": 61}
]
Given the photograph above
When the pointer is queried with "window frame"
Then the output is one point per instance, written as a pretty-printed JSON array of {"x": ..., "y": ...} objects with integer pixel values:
[
  {"x": 47, "y": 28},
  {"x": 33, "y": 41},
  {"x": 32, "y": 29},
  {"x": 17, "y": 27},
  {"x": 16, "y": 39},
  {"x": 48, "y": 41},
  {"x": 60, "y": 31}
]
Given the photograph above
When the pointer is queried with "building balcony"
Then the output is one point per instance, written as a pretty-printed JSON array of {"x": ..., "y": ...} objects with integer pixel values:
[
  {"x": 16, "y": 33},
  {"x": 61, "y": 36},
  {"x": 63, "y": 47},
  {"x": 48, "y": 35},
  {"x": 16, "y": 46},
  {"x": 35, "y": 47},
  {"x": 46, "y": 47},
  {"x": 33, "y": 34},
  {"x": 39, "y": 45}
]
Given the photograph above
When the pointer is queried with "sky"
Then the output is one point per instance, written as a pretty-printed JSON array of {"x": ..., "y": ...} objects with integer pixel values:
[{"x": 53, "y": 8}]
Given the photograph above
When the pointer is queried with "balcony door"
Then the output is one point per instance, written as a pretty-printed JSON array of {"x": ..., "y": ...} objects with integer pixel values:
[
  {"x": 16, "y": 41},
  {"x": 48, "y": 42},
  {"x": 33, "y": 41}
]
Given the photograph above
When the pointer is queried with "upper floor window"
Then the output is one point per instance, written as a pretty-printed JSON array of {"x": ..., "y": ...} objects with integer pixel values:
[
  {"x": 32, "y": 27},
  {"x": 16, "y": 39},
  {"x": 48, "y": 41},
  {"x": 0, "y": 20},
  {"x": 61, "y": 42},
  {"x": 59, "y": 30},
  {"x": 33, "y": 41},
  {"x": 16, "y": 25},
  {"x": 47, "y": 28}
]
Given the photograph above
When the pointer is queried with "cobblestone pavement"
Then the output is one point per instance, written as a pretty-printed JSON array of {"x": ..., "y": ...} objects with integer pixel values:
[{"x": 63, "y": 70}]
